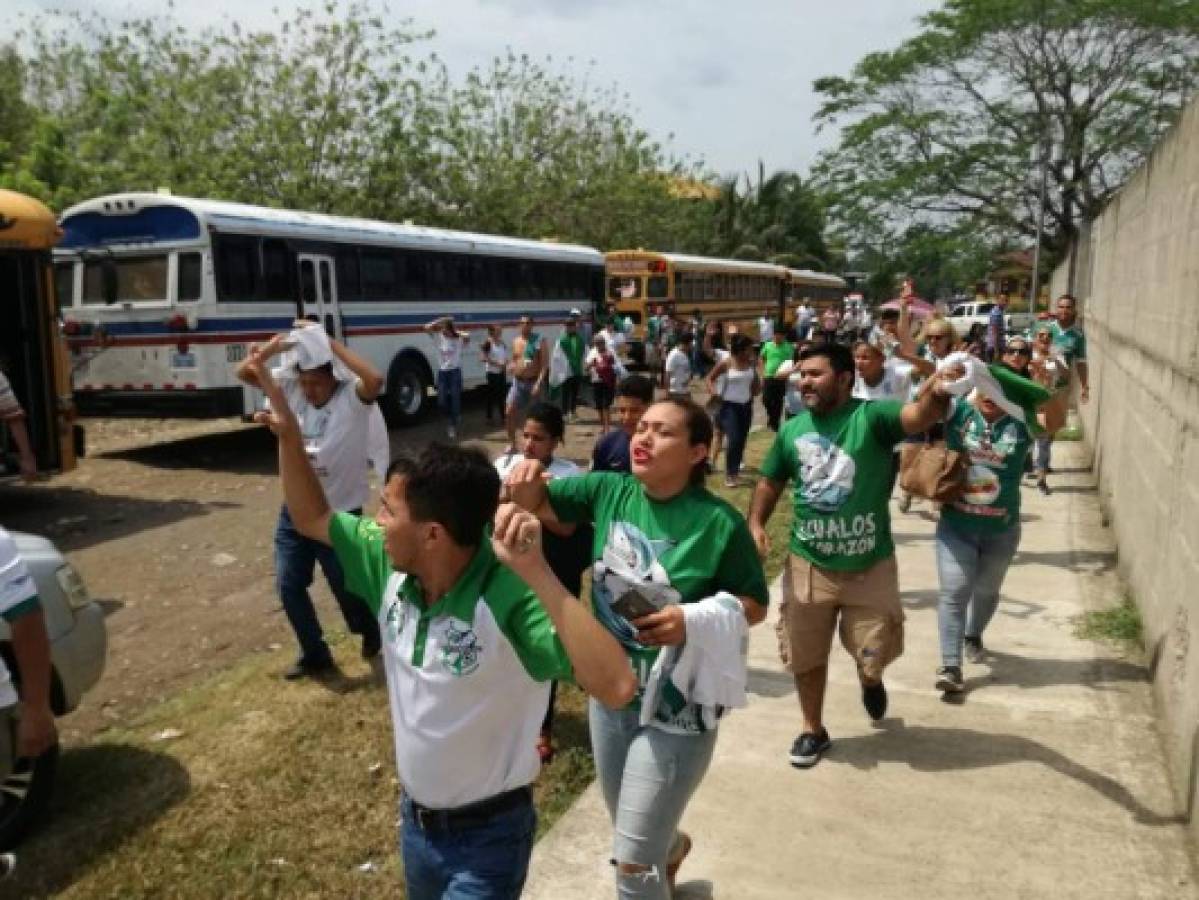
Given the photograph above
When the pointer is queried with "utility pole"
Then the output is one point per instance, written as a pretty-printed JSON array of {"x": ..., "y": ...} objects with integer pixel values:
[{"x": 1043, "y": 144}]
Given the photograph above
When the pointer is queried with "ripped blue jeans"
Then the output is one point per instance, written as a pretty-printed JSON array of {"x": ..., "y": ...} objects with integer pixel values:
[{"x": 647, "y": 777}]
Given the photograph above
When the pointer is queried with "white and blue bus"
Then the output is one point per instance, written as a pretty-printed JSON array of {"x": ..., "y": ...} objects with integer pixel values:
[{"x": 160, "y": 296}]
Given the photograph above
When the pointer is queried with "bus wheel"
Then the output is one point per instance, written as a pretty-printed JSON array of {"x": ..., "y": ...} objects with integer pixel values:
[{"x": 407, "y": 391}]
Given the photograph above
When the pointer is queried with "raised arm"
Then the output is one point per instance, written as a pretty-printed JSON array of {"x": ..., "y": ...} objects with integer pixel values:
[
  {"x": 600, "y": 665},
  {"x": 272, "y": 348},
  {"x": 931, "y": 404},
  {"x": 370, "y": 381},
  {"x": 302, "y": 491}
]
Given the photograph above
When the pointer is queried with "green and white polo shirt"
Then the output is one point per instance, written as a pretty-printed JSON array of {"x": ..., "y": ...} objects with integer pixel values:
[{"x": 467, "y": 677}]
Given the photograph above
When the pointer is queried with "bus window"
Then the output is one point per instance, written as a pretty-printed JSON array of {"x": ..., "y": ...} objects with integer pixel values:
[
  {"x": 236, "y": 268},
  {"x": 624, "y": 288},
  {"x": 188, "y": 278},
  {"x": 140, "y": 279},
  {"x": 658, "y": 287},
  {"x": 276, "y": 270},
  {"x": 307, "y": 282},
  {"x": 64, "y": 284},
  {"x": 348, "y": 285},
  {"x": 378, "y": 274}
]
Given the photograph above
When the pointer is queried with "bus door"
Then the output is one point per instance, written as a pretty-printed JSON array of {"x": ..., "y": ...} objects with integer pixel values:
[{"x": 318, "y": 292}]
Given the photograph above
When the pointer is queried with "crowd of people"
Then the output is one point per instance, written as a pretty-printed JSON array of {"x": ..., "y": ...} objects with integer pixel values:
[{"x": 467, "y": 579}]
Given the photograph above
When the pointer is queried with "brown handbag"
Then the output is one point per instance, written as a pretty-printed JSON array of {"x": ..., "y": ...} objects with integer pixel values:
[{"x": 932, "y": 471}]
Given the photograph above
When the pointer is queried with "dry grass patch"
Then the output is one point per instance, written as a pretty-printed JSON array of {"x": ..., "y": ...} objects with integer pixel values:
[
  {"x": 779, "y": 526},
  {"x": 272, "y": 790}
]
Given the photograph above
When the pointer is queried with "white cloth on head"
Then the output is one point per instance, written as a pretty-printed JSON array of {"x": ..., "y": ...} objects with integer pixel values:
[
  {"x": 978, "y": 377},
  {"x": 309, "y": 350},
  {"x": 708, "y": 668}
]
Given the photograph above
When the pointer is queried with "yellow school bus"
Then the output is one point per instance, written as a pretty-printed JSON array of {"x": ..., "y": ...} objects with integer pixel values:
[
  {"x": 736, "y": 292},
  {"x": 32, "y": 352},
  {"x": 818, "y": 288}
]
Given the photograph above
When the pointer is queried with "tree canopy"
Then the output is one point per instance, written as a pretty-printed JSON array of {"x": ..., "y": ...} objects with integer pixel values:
[
  {"x": 949, "y": 127},
  {"x": 335, "y": 110}
]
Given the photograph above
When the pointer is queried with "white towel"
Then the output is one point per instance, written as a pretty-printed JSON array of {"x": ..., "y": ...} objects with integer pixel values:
[
  {"x": 708, "y": 668},
  {"x": 378, "y": 444},
  {"x": 309, "y": 349},
  {"x": 978, "y": 377}
]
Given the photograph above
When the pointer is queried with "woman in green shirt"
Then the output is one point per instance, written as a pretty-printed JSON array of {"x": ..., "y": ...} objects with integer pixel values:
[
  {"x": 978, "y": 533},
  {"x": 663, "y": 545}
]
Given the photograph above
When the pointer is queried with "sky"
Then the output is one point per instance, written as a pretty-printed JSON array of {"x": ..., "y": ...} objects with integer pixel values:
[{"x": 728, "y": 82}]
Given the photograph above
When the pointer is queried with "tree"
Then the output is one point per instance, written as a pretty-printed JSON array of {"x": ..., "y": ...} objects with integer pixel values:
[
  {"x": 779, "y": 219},
  {"x": 949, "y": 127}
]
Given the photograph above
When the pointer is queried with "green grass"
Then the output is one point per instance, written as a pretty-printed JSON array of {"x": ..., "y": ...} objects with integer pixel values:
[
  {"x": 1119, "y": 624},
  {"x": 779, "y": 526},
  {"x": 273, "y": 789}
]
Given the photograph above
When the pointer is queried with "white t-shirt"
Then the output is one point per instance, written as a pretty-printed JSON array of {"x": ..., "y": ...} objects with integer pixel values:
[
  {"x": 497, "y": 359},
  {"x": 805, "y": 315},
  {"x": 336, "y": 439},
  {"x": 678, "y": 370},
  {"x": 896, "y": 384},
  {"x": 765, "y": 329},
  {"x": 558, "y": 468},
  {"x": 738, "y": 386},
  {"x": 449, "y": 350},
  {"x": 17, "y": 589}
]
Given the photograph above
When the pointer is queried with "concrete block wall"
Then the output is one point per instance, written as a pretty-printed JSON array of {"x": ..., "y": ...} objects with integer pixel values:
[{"x": 1137, "y": 279}]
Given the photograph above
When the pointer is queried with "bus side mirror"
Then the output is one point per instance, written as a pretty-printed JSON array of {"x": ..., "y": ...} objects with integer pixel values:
[{"x": 108, "y": 280}]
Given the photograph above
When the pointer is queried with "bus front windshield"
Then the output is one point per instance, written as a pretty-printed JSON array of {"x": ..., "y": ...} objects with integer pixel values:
[
  {"x": 140, "y": 279},
  {"x": 623, "y": 287}
]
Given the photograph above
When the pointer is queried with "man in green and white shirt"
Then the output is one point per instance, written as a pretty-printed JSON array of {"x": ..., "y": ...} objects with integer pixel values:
[
  {"x": 1071, "y": 343},
  {"x": 838, "y": 453},
  {"x": 473, "y": 630}
]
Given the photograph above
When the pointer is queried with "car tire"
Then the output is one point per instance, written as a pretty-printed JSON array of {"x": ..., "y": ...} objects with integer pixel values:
[
  {"x": 407, "y": 395},
  {"x": 25, "y": 796}
]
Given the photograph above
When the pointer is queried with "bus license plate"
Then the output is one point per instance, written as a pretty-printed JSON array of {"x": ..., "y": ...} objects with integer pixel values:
[{"x": 183, "y": 360}]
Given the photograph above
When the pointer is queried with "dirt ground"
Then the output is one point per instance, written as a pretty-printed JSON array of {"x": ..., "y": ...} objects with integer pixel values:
[{"x": 170, "y": 523}]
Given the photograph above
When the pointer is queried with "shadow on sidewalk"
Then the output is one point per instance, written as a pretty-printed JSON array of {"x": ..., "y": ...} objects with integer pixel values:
[
  {"x": 1092, "y": 562},
  {"x": 1036, "y": 672},
  {"x": 929, "y": 749}
]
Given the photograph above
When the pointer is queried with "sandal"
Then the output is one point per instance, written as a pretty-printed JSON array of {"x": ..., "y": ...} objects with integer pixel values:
[{"x": 675, "y": 860}]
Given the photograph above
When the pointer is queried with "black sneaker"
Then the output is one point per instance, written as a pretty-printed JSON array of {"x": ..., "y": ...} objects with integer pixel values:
[
  {"x": 949, "y": 680},
  {"x": 975, "y": 652},
  {"x": 874, "y": 698},
  {"x": 371, "y": 644},
  {"x": 304, "y": 669},
  {"x": 808, "y": 748},
  {"x": 1043, "y": 487}
]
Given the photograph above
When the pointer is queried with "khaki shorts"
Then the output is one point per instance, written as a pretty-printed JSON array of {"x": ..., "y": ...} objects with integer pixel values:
[{"x": 871, "y": 616}]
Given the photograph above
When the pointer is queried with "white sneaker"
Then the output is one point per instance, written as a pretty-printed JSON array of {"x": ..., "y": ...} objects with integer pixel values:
[{"x": 452, "y": 433}]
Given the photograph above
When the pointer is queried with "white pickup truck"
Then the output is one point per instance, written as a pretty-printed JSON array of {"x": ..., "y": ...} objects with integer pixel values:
[{"x": 964, "y": 315}]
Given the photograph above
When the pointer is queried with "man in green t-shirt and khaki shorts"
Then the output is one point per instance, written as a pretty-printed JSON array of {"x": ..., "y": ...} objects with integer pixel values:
[{"x": 842, "y": 560}]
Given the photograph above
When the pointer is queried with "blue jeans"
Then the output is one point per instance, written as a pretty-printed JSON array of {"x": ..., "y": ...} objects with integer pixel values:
[
  {"x": 735, "y": 419},
  {"x": 295, "y": 564},
  {"x": 449, "y": 394},
  {"x": 647, "y": 777},
  {"x": 1040, "y": 459},
  {"x": 486, "y": 862},
  {"x": 971, "y": 566}
]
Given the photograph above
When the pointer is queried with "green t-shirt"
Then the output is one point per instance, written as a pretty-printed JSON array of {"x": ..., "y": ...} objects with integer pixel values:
[
  {"x": 841, "y": 464},
  {"x": 511, "y": 605},
  {"x": 1070, "y": 342},
  {"x": 652, "y": 327},
  {"x": 997, "y": 451},
  {"x": 572, "y": 346},
  {"x": 774, "y": 355},
  {"x": 674, "y": 551}
]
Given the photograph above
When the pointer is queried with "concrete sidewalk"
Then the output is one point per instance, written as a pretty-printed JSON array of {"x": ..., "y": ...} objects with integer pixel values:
[{"x": 1045, "y": 780}]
